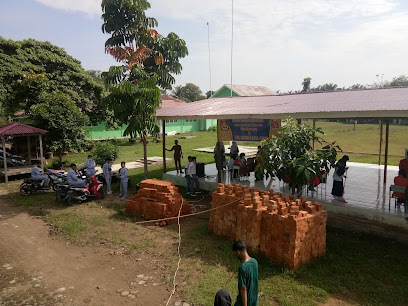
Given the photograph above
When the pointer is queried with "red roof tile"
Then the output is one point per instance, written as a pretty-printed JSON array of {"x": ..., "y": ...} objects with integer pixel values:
[{"x": 19, "y": 129}]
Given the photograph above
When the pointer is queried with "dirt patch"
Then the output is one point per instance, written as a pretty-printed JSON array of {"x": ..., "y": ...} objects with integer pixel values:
[{"x": 37, "y": 268}]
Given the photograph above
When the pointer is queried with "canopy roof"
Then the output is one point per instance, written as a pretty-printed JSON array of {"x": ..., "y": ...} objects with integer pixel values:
[
  {"x": 19, "y": 129},
  {"x": 371, "y": 103}
]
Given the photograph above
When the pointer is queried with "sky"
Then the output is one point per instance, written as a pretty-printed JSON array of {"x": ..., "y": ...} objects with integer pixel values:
[{"x": 276, "y": 43}]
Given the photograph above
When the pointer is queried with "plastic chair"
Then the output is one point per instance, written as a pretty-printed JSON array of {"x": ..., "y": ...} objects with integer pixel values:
[{"x": 397, "y": 189}]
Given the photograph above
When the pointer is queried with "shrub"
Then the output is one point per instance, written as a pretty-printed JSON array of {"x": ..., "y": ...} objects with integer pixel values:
[
  {"x": 212, "y": 128},
  {"x": 104, "y": 150}
]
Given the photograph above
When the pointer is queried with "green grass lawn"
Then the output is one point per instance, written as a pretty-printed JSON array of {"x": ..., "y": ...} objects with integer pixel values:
[{"x": 365, "y": 139}]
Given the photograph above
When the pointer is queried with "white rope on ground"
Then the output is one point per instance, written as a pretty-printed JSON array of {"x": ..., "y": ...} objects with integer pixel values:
[{"x": 178, "y": 251}]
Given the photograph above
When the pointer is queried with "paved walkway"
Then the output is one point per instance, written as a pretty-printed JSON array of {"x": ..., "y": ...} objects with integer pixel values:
[{"x": 365, "y": 192}]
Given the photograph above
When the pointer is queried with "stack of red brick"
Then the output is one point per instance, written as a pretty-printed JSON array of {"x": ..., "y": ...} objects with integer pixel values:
[
  {"x": 284, "y": 229},
  {"x": 157, "y": 199}
]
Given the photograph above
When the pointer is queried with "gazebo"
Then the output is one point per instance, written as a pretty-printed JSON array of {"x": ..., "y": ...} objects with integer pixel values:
[{"x": 15, "y": 130}]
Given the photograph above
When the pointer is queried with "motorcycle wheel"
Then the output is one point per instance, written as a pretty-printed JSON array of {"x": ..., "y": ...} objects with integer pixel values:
[
  {"x": 73, "y": 201},
  {"x": 25, "y": 189},
  {"x": 102, "y": 193},
  {"x": 58, "y": 197}
]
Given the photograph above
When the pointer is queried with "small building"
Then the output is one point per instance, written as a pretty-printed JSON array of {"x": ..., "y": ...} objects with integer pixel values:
[{"x": 242, "y": 91}]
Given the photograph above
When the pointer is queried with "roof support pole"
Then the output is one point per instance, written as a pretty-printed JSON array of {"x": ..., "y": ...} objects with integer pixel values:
[
  {"x": 381, "y": 141},
  {"x": 314, "y": 134},
  {"x": 218, "y": 153},
  {"x": 164, "y": 146},
  {"x": 29, "y": 149},
  {"x": 387, "y": 133},
  {"x": 3, "y": 141},
  {"x": 41, "y": 152}
]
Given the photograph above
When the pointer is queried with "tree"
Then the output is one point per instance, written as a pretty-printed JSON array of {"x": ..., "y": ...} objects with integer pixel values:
[
  {"x": 290, "y": 157},
  {"x": 177, "y": 92},
  {"x": 60, "y": 115},
  {"x": 306, "y": 84},
  {"x": 210, "y": 93},
  {"x": 399, "y": 81},
  {"x": 325, "y": 87},
  {"x": 149, "y": 62},
  {"x": 30, "y": 67},
  {"x": 188, "y": 93},
  {"x": 357, "y": 87}
]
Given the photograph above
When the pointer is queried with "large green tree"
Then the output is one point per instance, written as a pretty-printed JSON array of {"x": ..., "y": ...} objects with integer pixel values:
[
  {"x": 30, "y": 67},
  {"x": 60, "y": 115},
  {"x": 149, "y": 61},
  {"x": 189, "y": 93}
]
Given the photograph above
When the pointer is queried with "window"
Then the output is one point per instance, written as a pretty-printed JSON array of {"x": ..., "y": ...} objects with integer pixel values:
[
  {"x": 171, "y": 121},
  {"x": 191, "y": 120}
]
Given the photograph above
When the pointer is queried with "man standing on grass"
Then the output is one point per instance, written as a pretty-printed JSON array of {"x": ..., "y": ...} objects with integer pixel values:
[
  {"x": 107, "y": 174},
  {"x": 247, "y": 280},
  {"x": 123, "y": 175},
  {"x": 177, "y": 154}
]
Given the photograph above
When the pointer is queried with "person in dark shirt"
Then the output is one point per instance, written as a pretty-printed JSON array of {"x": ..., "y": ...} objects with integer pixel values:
[
  {"x": 247, "y": 280},
  {"x": 178, "y": 153}
]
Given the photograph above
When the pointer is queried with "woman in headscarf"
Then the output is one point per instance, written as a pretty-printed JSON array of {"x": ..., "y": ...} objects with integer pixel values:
[
  {"x": 234, "y": 149},
  {"x": 338, "y": 186}
]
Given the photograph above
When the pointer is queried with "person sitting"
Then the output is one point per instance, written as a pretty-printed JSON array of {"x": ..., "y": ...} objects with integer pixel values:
[
  {"x": 73, "y": 179},
  {"x": 242, "y": 159},
  {"x": 403, "y": 164},
  {"x": 38, "y": 175},
  {"x": 90, "y": 166},
  {"x": 401, "y": 180}
]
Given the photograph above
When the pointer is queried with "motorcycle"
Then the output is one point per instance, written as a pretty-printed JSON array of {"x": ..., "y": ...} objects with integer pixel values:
[
  {"x": 30, "y": 185},
  {"x": 93, "y": 189},
  {"x": 56, "y": 177}
]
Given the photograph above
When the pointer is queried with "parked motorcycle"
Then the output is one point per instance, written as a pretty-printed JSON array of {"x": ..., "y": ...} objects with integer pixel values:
[
  {"x": 29, "y": 186},
  {"x": 56, "y": 177},
  {"x": 77, "y": 195}
]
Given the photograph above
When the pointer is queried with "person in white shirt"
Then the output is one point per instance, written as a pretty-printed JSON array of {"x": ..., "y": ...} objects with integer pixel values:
[
  {"x": 188, "y": 177},
  {"x": 38, "y": 175},
  {"x": 90, "y": 166},
  {"x": 195, "y": 183},
  {"x": 123, "y": 175},
  {"x": 73, "y": 179},
  {"x": 107, "y": 174}
]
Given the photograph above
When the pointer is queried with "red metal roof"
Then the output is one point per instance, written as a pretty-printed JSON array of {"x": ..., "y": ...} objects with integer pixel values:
[
  {"x": 169, "y": 102},
  {"x": 17, "y": 128},
  {"x": 373, "y": 103}
]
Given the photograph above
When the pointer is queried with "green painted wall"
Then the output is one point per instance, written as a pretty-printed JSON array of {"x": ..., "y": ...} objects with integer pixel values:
[
  {"x": 100, "y": 132},
  {"x": 225, "y": 92}
]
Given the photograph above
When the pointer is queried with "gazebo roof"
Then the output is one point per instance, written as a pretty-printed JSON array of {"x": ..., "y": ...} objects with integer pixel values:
[{"x": 20, "y": 129}]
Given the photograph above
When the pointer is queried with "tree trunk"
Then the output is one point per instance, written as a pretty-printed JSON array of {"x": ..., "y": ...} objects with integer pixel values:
[{"x": 145, "y": 156}]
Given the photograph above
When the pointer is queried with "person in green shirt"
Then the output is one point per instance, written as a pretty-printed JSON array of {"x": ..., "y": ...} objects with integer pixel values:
[{"x": 247, "y": 280}]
